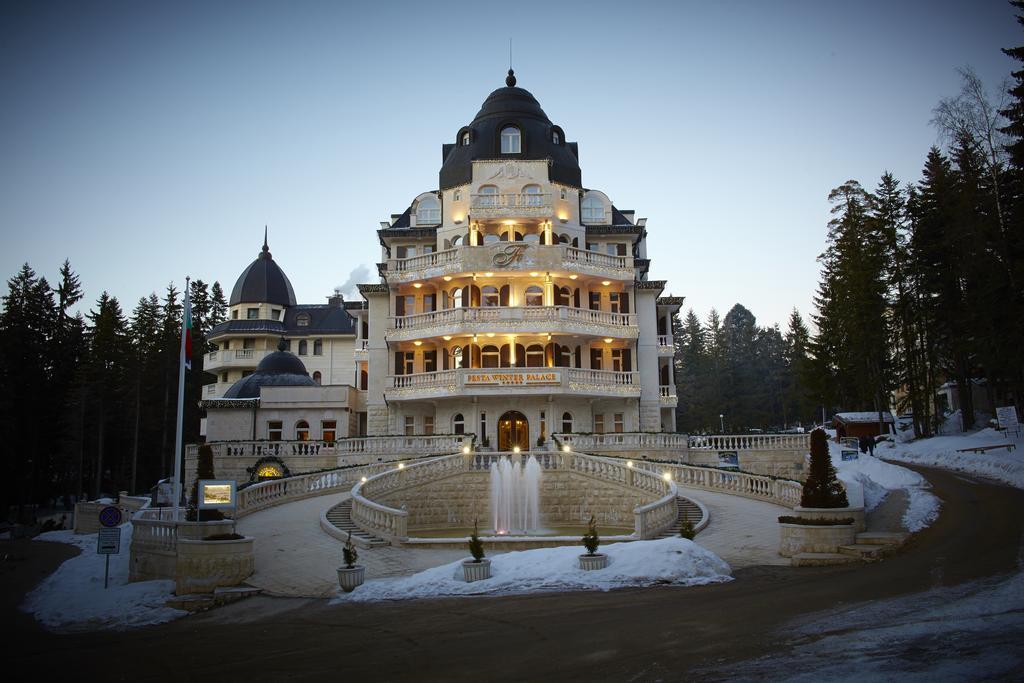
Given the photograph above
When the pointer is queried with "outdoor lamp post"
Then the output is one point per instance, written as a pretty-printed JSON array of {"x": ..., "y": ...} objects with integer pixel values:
[{"x": 721, "y": 422}]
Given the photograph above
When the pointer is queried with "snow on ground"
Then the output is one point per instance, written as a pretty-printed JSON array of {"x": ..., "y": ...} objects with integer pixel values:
[
  {"x": 73, "y": 597},
  {"x": 869, "y": 480},
  {"x": 972, "y": 631},
  {"x": 942, "y": 451},
  {"x": 675, "y": 561}
]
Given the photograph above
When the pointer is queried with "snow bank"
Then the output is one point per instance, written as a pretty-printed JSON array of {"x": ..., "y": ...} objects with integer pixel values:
[
  {"x": 941, "y": 451},
  {"x": 922, "y": 509},
  {"x": 675, "y": 561},
  {"x": 73, "y": 598}
]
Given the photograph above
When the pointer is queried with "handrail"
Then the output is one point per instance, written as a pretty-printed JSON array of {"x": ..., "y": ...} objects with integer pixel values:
[
  {"x": 497, "y": 314},
  {"x": 783, "y": 492}
]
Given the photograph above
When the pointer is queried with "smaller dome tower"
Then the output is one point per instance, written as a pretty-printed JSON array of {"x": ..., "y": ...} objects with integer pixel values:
[
  {"x": 263, "y": 282},
  {"x": 278, "y": 369}
]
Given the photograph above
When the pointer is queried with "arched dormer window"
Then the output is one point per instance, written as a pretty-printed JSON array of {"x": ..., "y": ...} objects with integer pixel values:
[
  {"x": 428, "y": 211},
  {"x": 511, "y": 140},
  {"x": 593, "y": 209},
  {"x": 302, "y": 320},
  {"x": 556, "y": 138},
  {"x": 465, "y": 139}
]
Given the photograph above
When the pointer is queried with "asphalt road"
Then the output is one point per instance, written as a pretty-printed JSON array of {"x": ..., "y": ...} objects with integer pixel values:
[{"x": 625, "y": 635}]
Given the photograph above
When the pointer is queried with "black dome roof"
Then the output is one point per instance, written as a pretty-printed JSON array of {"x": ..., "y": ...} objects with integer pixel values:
[
  {"x": 263, "y": 282},
  {"x": 277, "y": 369},
  {"x": 504, "y": 106}
]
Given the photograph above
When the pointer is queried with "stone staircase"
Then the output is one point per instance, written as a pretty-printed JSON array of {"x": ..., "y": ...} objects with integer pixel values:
[
  {"x": 870, "y": 546},
  {"x": 687, "y": 510},
  {"x": 340, "y": 516}
]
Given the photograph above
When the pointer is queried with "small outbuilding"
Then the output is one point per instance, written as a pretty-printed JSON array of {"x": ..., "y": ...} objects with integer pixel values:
[{"x": 856, "y": 425}]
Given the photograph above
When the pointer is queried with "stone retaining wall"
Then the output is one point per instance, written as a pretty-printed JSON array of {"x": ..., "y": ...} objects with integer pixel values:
[
  {"x": 565, "y": 498},
  {"x": 796, "y": 538}
]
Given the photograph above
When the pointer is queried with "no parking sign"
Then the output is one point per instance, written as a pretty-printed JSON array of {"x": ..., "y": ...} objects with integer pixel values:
[{"x": 111, "y": 516}]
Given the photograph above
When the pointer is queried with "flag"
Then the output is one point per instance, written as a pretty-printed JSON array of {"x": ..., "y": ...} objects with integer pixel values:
[{"x": 186, "y": 331}]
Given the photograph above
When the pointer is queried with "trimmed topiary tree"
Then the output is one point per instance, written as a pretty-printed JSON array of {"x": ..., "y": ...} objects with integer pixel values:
[
  {"x": 591, "y": 540},
  {"x": 204, "y": 470},
  {"x": 476, "y": 546},
  {"x": 349, "y": 552},
  {"x": 822, "y": 488},
  {"x": 686, "y": 530}
]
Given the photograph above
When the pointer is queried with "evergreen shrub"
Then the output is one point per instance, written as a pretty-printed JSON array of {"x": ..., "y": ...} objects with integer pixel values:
[
  {"x": 590, "y": 540},
  {"x": 822, "y": 488}
]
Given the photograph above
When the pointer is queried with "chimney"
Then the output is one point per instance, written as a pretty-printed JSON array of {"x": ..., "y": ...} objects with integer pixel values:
[{"x": 336, "y": 300}]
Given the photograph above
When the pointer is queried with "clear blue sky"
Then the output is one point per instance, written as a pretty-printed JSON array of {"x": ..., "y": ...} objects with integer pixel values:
[{"x": 148, "y": 142}]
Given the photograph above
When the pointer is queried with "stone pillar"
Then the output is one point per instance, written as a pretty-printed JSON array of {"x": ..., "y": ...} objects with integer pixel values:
[
  {"x": 378, "y": 359},
  {"x": 647, "y": 359}
]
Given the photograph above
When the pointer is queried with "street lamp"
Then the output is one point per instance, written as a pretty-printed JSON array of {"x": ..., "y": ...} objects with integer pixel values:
[{"x": 721, "y": 422}]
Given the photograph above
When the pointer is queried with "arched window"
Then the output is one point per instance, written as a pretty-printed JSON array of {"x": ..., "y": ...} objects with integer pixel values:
[
  {"x": 563, "y": 295},
  {"x": 428, "y": 211},
  {"x": 564, "y": 239},
  {"x": 303, "y": 347},
  {"x": 490, "y": 296},
  {"x": 491, "y": 357},
  {"x": 511, "y": 140},
  {"x": 488, "y": 196},
  {"x": 555, "y": 137},
  {"x": 534, "y": 296},
  {"x": 318, "y": 347},
  {"x": 593, "y": 209},
  {"x": 302, "y": 431},
  {"x": 457, "y": 300},
  {"x": 535, "y": 356},
  {"x": 317, "y": 376},
  {"x": 566, "y": 423},
  {"x": 302, "y": 320},
  {"x": 457, "y": 241},
  {"x": 465, "y": 139},
  {"x": 532, "y": 195},
  {"x": 458, "y": 424}
]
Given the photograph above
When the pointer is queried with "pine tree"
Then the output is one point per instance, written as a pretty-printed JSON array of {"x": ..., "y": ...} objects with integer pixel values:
[
  {"x": 822, "y": 488},
  {"x": 104, "y": 376}
]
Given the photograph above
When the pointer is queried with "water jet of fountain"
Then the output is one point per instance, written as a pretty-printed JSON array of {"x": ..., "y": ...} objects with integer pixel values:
[{"x": 515, "y": 496}]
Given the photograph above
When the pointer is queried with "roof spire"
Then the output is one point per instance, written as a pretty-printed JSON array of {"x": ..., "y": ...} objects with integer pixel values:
[{"x": 266, "y": 249}]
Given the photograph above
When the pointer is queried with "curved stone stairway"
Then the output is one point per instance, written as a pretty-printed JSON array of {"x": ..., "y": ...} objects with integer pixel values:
[
  {"x": 688, "y": 510},
  {"x": 340, "y": 516}
]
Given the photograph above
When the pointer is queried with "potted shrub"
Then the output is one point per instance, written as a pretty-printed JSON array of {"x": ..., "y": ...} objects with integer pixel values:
[
  {"x": 352, "y": 574},
  {"x": 592, "y": 559},
  {"x": 686, "y": 529},
  {"x": 823, "y": 494},
  {"x": 478, "y": 567}
]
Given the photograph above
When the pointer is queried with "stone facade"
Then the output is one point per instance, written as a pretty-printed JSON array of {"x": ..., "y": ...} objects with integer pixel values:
[{"x": 795, "y": 538}]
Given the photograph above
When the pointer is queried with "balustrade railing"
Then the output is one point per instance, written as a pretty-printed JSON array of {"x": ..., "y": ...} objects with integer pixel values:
[
  {"x": 779, "y": 491},
  {"x": 425, "y": 379},
  {"x": 756, "y": 442},
  {"x": 554, "y": 379},
  {"x": 261, "y": 449},
  {"x": 596, "y": 258},
  {"x": 603, "y": 377},
  {"x": 450, "y": 259},
  {"x": 431, "y": 260},
  {"x": 512, "y": 314},
  {"x": 623, "y": 441},
  {"x": 510, "y": 201},
  {"x": 427, "y": 444},
  {"x": 651, "y": 518},
  {"x": 665, "y": 340}
]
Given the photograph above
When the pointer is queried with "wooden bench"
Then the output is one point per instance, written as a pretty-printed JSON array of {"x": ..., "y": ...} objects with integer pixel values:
[{"x": 981, "y": 449}]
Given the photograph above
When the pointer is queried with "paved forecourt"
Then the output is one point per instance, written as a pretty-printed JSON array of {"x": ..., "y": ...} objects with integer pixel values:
[{"x": 295, "y": 557}]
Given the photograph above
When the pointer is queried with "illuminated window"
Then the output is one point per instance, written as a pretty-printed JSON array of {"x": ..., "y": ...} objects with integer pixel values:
[
  {"x": 302, "y": 431},
  {"x": 329, "y": 430},
  {"x": 491, "y": 357},
  {"x": 535, "y": 356},
  {"x": 274, "y": 429}
]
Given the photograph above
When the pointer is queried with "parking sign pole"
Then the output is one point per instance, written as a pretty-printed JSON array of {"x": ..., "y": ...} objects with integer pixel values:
[{"x": 106, "y": 573}]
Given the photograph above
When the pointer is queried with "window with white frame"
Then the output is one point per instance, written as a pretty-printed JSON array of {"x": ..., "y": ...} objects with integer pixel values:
[
  {"x": 490, "y": 357},
  {"x": 593, "y": 209},
  {"x": 328, "y": 430},
  {"x": 533, "y": 195},
  {"x": 534, "y": 356},
  {"x": 490, "y": 296},
  {"x": 511, "y": 140},
  {"x": 617, "y": 423},
  {"x": 274, "y": 430},
  {"x": 534, "y": 296},
  {"x": 428, "y": 211},
  {"x": 458, "y": 424},
  {"x": 488, "y": 196},
  {"x": 318, "y": 347},
  {"x": 303, "y": 347},
  {"x": 302, "y": 431},
  {"x": 566, "y": 423}
]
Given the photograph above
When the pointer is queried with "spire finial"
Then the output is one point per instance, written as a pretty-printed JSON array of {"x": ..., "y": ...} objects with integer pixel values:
[
  {"x": 266, "y": 248},
  {"x": 510, "y": 80},
  {"x": 282, "y": 345}
]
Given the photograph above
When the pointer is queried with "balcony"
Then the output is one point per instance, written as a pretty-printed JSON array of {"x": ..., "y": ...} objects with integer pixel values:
[
  {"x": 215, "y": 390},
  {"x": 666, "y": 346},
  {"x": 361, "y": 348},
  {"x": 518, "y": 205},
  {"x": 233, "y": 358},
  {"x": 667, "y": 396},
  {"x": 511, "y": 381},
  {"x": 509, "y": 256},
  {"x": 513, "y": 320}
]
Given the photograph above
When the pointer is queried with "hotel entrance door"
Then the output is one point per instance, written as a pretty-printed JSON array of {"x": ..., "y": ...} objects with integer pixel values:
[{"x": 513, "y": 430}]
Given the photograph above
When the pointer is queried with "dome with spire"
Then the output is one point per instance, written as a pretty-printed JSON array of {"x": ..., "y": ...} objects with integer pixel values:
[
  {"x": 278, "y": 369},
  {"x": 541, "y": 139},
  {"x": 263, "y": 282}
]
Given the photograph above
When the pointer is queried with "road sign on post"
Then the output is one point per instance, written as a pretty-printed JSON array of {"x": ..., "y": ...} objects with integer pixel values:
[
  {"x": 111, "y": 516},
  {"x": 108, "y": 542}
]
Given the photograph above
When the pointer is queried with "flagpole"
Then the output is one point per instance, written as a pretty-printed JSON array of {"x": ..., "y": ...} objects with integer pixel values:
[{"x": 175, "y": 478}]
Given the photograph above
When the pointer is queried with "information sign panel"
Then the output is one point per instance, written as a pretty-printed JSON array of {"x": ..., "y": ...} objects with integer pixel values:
[
  {"x": 850, "y": 454},
  {"x": 217, "y": 494},
  {"x": 1007, "y": 417},
  {"x": 108, "y": 542}
]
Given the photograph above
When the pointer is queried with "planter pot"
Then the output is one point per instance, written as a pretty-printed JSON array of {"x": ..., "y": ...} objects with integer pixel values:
[
  {"x": 798, "y": 538},
  {"x": 857, "y": 513},
  {"x": 595, "y": 561},
  {"x": 349, "y": 579},
  {"x": 476, "y": 571}
]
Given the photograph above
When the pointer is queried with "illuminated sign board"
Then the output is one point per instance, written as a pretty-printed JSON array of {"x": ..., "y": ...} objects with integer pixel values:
[
  {"x": 513, "y": 378},
  {"x": 216, "y": 494}
]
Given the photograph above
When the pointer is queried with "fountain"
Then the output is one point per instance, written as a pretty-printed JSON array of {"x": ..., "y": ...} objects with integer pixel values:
[{"x": 515, "y": 496}]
